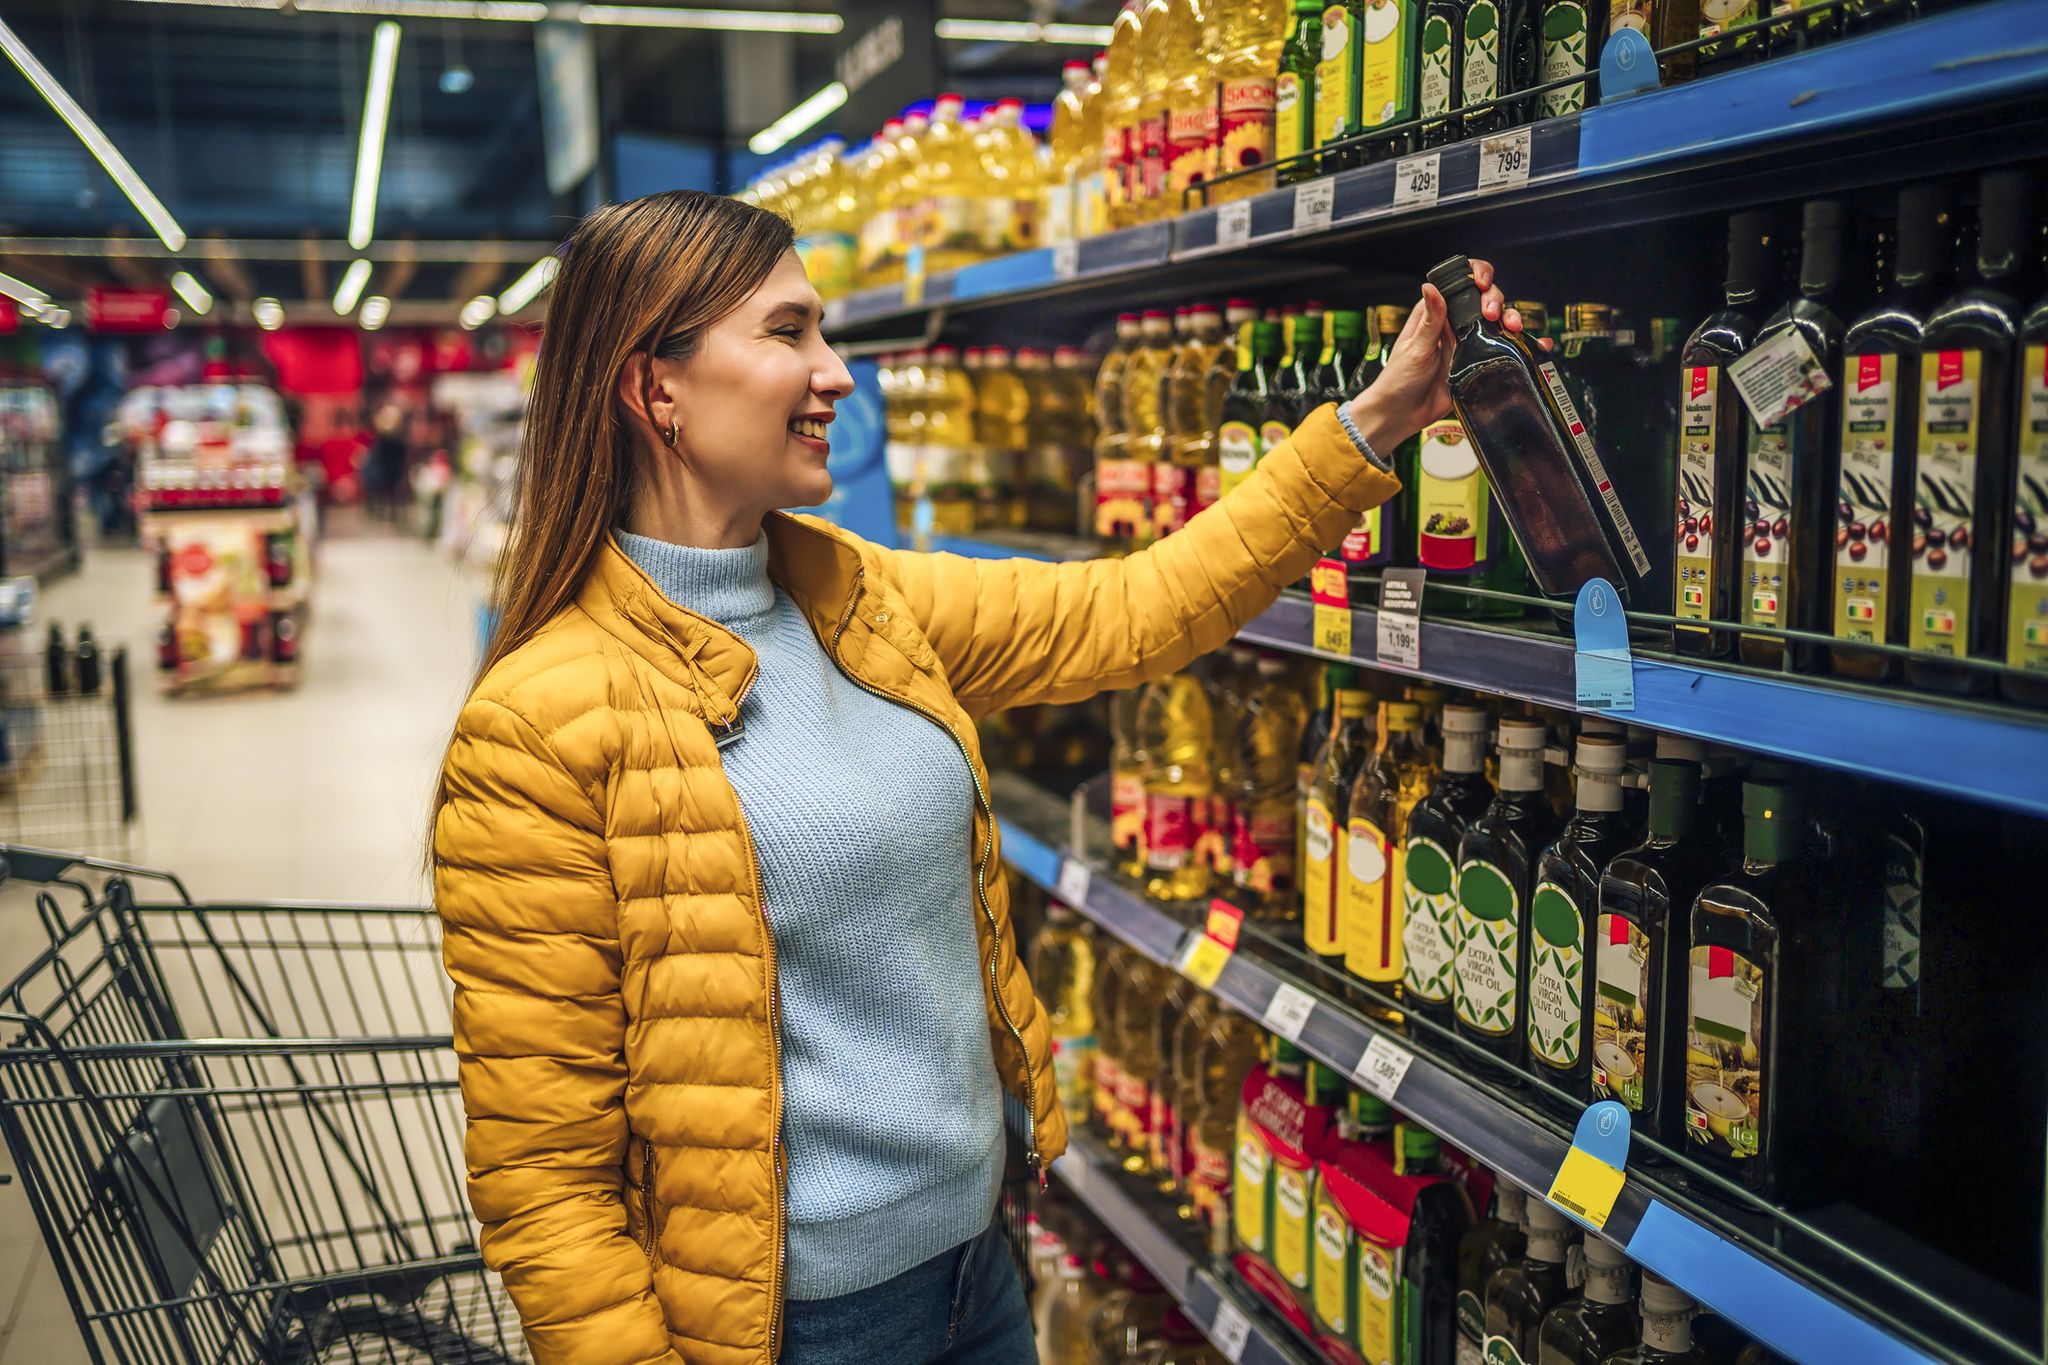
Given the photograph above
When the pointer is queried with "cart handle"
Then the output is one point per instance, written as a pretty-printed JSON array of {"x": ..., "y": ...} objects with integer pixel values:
[{"x": 43, "y": 866}]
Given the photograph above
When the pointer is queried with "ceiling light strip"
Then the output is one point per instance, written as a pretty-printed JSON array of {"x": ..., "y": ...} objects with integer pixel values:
[
  {"x": 362, "y": 207},
  {"x": 351, "y": 288},
  {"x": 527, "y": 287},
  {"x": 21, "y": 291},
  {"x": 1019, "y": 31},
  {"x": 192, "y": 292},
  {"x": 727, "y": 20},
  {"x": 777, "y": 134}
]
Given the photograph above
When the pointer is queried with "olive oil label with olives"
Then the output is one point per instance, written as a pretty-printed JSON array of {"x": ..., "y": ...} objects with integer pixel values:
[
  {"x": 1565, "y": 47},
  {"x": 1699, "y": 397},
  {"x": 1870, "y": 446},
  {"x": 1291, "y": 1224},
  {"x": 1723, "y": 1053},
  {"x": 1768, "y": 504},
  {"x": 1371, "y": 924},
  {"x": 1451, "y": 501},
  {"x": 1321, "y": 920},
  {"x": 1335, "y": 1251},
  {"x": 1435, "y": 83},
  {"x": 1378, "y": 1269},
  {"x": 1429, "y": 907},
  {"x": 1500, "y": 1351},
  {"x": 1557, "y": 975},
  {"x": 1482, "y": 51},
  {"x": 1336, "y": 77},
  {"x": 1621, "y": 1000},
  {"x": 1237, "y": 450},
  {"x": 1945, "y": 503},
  {"x": 1489, "y": 929},
  {"x": 2026, "y": 636},
  {"x": 1272, "y": 434}
]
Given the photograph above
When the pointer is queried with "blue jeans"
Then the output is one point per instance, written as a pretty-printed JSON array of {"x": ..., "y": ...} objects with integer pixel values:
[{"x": 962, "y": 1307}]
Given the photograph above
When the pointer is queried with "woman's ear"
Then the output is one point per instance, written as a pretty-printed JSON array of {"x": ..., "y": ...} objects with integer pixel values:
[{"x": 648, "y": 406}]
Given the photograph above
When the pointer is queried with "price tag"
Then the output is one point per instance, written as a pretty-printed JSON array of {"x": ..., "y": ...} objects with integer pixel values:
[
  {"x": 1381, "y": 1068},
  {"x": 1332, "y": 607},
  {"x": 1593, "y": 1173},
  {"x": 1066, "y": 260},
  {"x": 913, "y": 276},
  {"x": 1231, "y": 1329},
  {"x": 1314, "y": 203},
  {"x": 1778, "y": 377},
  {"x": 1400, "y": 619},
  {"x": 1234, "y": 223},
  {"x": 1288, "y": 1013},
  {"x": 1073, "y": 882},
  {"x": 1504, "y": 161},
  {"x": 1202, "y": 960},
  {"x": 1416, "y": 181}
]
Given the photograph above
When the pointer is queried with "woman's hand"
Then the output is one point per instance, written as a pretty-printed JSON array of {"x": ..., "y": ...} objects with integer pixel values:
[{"x": 1414, "y": 388}]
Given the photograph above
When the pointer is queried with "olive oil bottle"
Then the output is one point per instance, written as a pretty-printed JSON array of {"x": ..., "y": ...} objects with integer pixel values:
[
  {"x": 1244, "y": 405},
  {"x": 1788, "y": 470},
  {"x": 1521, "y": 1296},
  {"x": 1456, "y": 799},
  {"x": 1503, "y": 54},
  {"x": 1294, "y": 93},
  {"x": 1493, "y": 1244},
  {"x": 1964, "y": 454},
  {"x": 1324, "y": 817},
  {"x": 1601, "y": 1322},
  {"x": 1354, "y": 356},
  {"x": 1881, "y": 355},
  {"x": 1496, "y": 876},
  {"x": 1667, "y": 1329},
  {"x": 2026, "y": 567},
  {"x": 1564, "y": 918},
  {"x": 1573, "y": 31},
  {"x": 1337, "y": 80},
  {"x": 1426, "y": 1294},
  {"x": 1322, "y": 719},
  {"x": 1390, "y": 58},
  {"x": 1290, "y": 398},
  {"x": 1385, "y": 793},
  {"x": 1640, "y": 967},
  {"x": 1619, "y": 394},
  {"x": 1442, "y": 78}
]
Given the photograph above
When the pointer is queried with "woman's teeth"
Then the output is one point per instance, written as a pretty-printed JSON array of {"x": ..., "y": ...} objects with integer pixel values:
[{"x": 804, "y": 426}]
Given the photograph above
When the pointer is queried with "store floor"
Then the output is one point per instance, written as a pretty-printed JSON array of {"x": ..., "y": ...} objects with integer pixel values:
[{"x": 318, "y": 793}]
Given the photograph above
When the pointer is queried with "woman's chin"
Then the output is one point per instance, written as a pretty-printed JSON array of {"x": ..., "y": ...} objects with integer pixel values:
[{"x": 812, "y": 492}]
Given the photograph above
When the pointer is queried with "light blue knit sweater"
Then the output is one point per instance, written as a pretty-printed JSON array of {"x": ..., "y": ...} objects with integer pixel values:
[{"x": 862, "y": 812}]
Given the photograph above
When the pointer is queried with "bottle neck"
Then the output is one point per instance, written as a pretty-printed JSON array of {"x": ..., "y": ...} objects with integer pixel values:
[
  {"x": 1463, "y": 305},
  {"x": 1464, "y": 753},
  {"x": 1606, "y": 1283},
  {"x": 1546, "y": 1245},
  {"x": 1670, "y": 1333},
  {"x": 1521, "y": 771},
  {"x": 1599, "y": 792}
]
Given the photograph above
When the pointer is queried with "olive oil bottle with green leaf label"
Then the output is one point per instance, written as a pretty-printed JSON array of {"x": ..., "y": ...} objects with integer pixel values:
[
  {"x": 2026, "y": 566},
  {"x": 1573, "y": 31},
  {"x": 1429, "y": 878},
  {"x": 1442, "y": 80},
  {"x": 1519, "y": 1297},
  {"x": 1602, "y": 1321},
  {"x": 1501, "y": 54},
  {"x": 1496, "y": 878}
]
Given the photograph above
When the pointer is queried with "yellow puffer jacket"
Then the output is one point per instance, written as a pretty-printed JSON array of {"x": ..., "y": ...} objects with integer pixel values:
[{"x": 615, "y": 1003}]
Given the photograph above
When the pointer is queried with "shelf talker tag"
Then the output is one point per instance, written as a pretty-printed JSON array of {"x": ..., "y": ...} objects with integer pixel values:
[
  {"x": 1206, "y": 953},
  {"x": 1594, "y": 1170},
  {"x": 1628, "y": 66},
  {"x": 1332, "y": 593},
  {"x": 1398, "y": 631},
  {"x": 1605, "y": 670}
]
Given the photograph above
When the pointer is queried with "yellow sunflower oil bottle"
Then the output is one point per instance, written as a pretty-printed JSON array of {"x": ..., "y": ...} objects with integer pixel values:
[
  {"x": 1249, "y": 35},
  {"x": 1190, "y": 447},
  {"x": 1144, "y": 415},
  {"x": 1123, "y": 96},
  {"x": 1148, "y": 194},
  {"x": 1225, "y": 1055},
  {"x": 950, "y": 176},
  {"x": 1020, "y": 153},
  {"x": 1325, "y": 819},
  {"x": 1174, "y": 729},
  {"x": 949, "y": 444},
  {"x": 903, "y": 428},
  {"x": 876, "y": 258},
  {"x": 1139, "y": 1067},
  {"x": 1262, "y": 839},
  {"x": 1107, "y": 994},
  {"x": 905, "y": 193},
  {"x": 1060, "y": 194},
  {"x": 1002, "y": 427},
  {"x": 1114, "y": 478},
  {"x": 1091, "y": 191},
  {"x": 1190, "y": 102},
  {"x": 1063, "y": 973}
]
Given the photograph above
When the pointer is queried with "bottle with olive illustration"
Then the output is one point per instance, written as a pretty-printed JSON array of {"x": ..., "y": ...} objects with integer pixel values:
[
  {"x": 1521, "y": 1296},
  {"x": 1503, "y": 54},
  {"x": 1964, "y": 455},
  {"x": 2026, "y": 567},
  {"x": 1496, "y": 878},
  {"x": 1573, "y": 31},
  {"x": 1457, "y": 797},
  {"x": 1441, "y": 74}
]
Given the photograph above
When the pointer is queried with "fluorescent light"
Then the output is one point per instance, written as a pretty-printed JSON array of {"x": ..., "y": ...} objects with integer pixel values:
[
  {"x": 352, "y": 281},
  {"x": 376, "y": 309},
  {"x": 778, "y": 133},
  {"x": 430, "y": 9},
  {"x": 730, "y": 20},
  {"x": 21, "y": 291},
  {"x": 362, "y": 206},
  {"x": 223, "y": 4},
  {"x": 527, "y": 287},
  {"x": 55, "y": 318},
  {"x": 193, "y": 292},
  {"x": 269, "y": 313},
  {"x": 1081, "y": 35},
  {"x": 477, "y": 312},
  {"x": 1017, "y": 31},
  {"x": 116, "y": 165}
]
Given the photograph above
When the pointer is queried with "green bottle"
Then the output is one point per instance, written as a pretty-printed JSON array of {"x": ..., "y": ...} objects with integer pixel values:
[
  {"x": 1294, "y": 93},
  {"x": 1441, "y": 70},
  {"x": 1244, "y": 406},
  {"x": 1390, "y": 62},
  {"x": 1338, "y": 73}
]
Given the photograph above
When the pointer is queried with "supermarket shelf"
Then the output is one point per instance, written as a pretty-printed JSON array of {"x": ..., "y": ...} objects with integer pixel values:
[
  {"x": 1210, "y": 1301},
  {"x": 1795, "y": 1319},
  {"x": 1810, "y": 123}
]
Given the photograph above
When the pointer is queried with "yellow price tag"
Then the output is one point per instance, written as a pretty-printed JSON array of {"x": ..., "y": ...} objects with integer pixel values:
[
  {"x": 1333, "y": 629},
  {"x": 1586, "y": 1186},
  {"x": 1332, "y": 621},
  {"x": 1204, "y": 961}
]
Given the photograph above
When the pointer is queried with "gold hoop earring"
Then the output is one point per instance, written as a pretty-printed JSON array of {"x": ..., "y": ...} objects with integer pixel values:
[{"x": 671, "y": 435}]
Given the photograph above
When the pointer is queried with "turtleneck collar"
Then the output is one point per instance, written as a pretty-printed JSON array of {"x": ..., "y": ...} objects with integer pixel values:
[{"x": 729, "y": 586}]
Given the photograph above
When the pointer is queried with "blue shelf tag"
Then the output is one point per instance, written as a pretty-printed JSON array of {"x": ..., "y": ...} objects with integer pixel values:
[
  {"x": 1627, "y": 66},
  {"x": 1593, "y": 1171},
  {"x": 1606, "y": 674}
]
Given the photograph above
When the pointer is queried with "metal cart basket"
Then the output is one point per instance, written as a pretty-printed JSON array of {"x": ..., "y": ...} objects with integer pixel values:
[{"x": 239, "y": 1127}]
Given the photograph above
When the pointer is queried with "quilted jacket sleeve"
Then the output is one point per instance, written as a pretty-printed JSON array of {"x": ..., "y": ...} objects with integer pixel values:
[
  {"x": 1018, "y": 632},
  {"x": 530, "y": 937}
]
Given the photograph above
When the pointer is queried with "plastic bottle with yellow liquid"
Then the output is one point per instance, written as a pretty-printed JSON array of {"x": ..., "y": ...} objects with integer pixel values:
[
  {"x": 1138, "y": 1067},
  {"x": 1091, "y": 203},
  {"x": 877, "y": 257},
  {"x": 949, "y": 178},
  {"x": 1060, "y": 194},
  {"x": 1002, "y": 413},
  {"x": 905, "y": 193},
  {"x": 1246, "y": 58},
  {"x": 1262, "y": 841},
  {"x": 1144, "y": 417},
  {"x": 1325, "y": 818},
  {"x": 1063, "y": 974},
  {"x": 949, "y": 446},
  {"x": 1229, "y": 680},
  {"x": 1116, "y": 503},
  {"x": 1148, "y": 190},
  {"x": 1174, "y": 730},
  {"x": 1190, "y": 433},
  {"x": 1190, "y": 102},
  {"x": 1225, "y": 1053},
  {"x": 1183, "y": 1059},
  {"x": 1164, "y": 1013},
  {"x": 1123, "y": 95},
  {"x": 1111, "y": 989},
  {"x": 1048, "y": 488},
  {"x": 904, "y": 424},
  {"x": 1399, "y": 776}
]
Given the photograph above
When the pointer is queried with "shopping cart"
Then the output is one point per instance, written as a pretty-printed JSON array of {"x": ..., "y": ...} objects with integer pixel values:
[{"x": 239, "y": 1127}]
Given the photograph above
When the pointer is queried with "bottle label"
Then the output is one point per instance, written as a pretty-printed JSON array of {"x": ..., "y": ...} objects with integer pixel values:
[
  {"x": 1632, "y": 14},
  {"x": 1498, "y": 1350},
  {"x": 1173, "y": 492},
  {"x": 1169, "y": 832},
  {"x": 1290, "y": 1224},
  {"x": 1362, "y": 543},
  {"x": 2026, "y": 636},
  {"x": 1724, "y": 1053},
  {"x": 1218, "y": 833},
  {"x": 1621, "y": 1005},
  {"x": 1262, "y": 848},
  {"x": 1718, "y": 16},
  {"x": 1451, "y": 502},
  {"x": 1372, "y": 905},
  {"x": 1127, "y": 810},
  {"x": 1237, "y": 451},
  {"x": 1151, "y": 180},
  {"x": 828, "y": 259},
  {"x": 1582, "y": 441},
  {"x": 1273, "y": 435},
  {"x": 1331, "y": 1285},
  {"x": 951, "y": 222},
  {"x": 1116, "y": 165},
  {"x": 1160, "y": 1128},
  {"x": 1073, "y": 1061},
  {"x": 1669, "y": 1333},
  {"x": 1208, "y": 486},
  {"x": 1699, "y": 395},
  {"x": 1190, "y": 148},
  {"x": 1429, "y": 903},
  {"x": 877, "y": 239},
  {"x": 1386, "y": 91},
  {"x": 1863, "y": 495},
  {"x": 1436, "y": 66},
  {"x": 1289, "y": 112},
  {"x": 1319, "y": 903},
  {"x": 1471, "y": 1327},
  {"x": 1336, "y": 98},
  {"x": 1378, "y": 1272},
  {"x": 1557, "y": 976},
  {"x": 1123, "y": 498},
  {"x": 1245, "y": 135},
  {"x": 1945, "y": 502},
  {"x": 1489, "y": 928},
  {"x": 1606, "y": 1284},
  {"x": 1482, "y": 51},
  {"x": 1134, "y": 1109},
  {"x": 1250, "y": 1194},
  {"x": 1103, "y": 1098},
  {"x": 1565, "y": 45},
  {"x": 1768, "y": 513},
  {"x": 1208, "y": 1178}
]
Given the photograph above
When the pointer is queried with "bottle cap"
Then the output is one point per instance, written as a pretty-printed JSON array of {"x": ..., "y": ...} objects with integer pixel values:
[
  {"x": 1127, "y": 317},
  {"x": 1419, "y": 1145},
  {"x": 1272, "y": 666},
  {"x": 1511, "y": 1202},
  {"x": 1463, "y": 718},
  {"x": 945, "y": 354},
  {"x": 1924, "y": 214},
  {"x": 1030, "y": 355},
  {"x": 997, "y": 355},
  {"x": 1523, "y": 736},
  {"x": 973, "y": 355},
  {"x": 1679, "y": 746},
  {"x": 1461, "y": 292},
  {"x": 1390, "y": 317},
  {"x": 1236, "y": 304},
  {"x": 1157, "y": 315},
  {"x": 1075, "y": 65},
  {"x": 1065, "y": 355},
  {"x": 1605, "y": 1254},
  {"x": 1587, "y": 317},
  {"x": 1601, "y": 725},
  {"x": 1369, "y": 1110},
  {"x": 1674, "y": 793},
  {"x": 1543, "y": 1218},
  {"x": 1661, "y": 1297},
  {"x": 1352, "y": 703},
  {"x": 1404, "y": 716},
  {"x": 1603, "y": 755}
]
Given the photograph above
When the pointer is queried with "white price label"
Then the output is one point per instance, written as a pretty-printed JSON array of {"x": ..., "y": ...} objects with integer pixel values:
[
  {"x": 1381, "y": 1068},
  {"x": 1066, "y": 260},
  {"x": 1416, "y": 181},
  {"x": 1504, "y": 161},
  {"x": 1400, "y": 641},
  {"x": 1315, "y": 201},
  {"x": 1234, "y": 223},
  {"x": 1073, "y": 881},
  {"x": 1231, "y": 1329},
  {"x": 1288, "y": 1013}
]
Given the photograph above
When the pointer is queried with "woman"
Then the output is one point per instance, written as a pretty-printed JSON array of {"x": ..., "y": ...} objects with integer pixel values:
[{"x": 736, "y": 995}]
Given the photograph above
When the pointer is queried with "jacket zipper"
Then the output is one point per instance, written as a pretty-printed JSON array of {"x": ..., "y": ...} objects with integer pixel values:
[
  {"x": 775, "y": 1154},
  {"x": 647, "y": 1194},
  {"x": 1031, "y": 1155}
]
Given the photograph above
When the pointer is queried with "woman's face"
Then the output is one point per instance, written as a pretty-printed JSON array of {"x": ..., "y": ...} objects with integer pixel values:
[{"x": 753, "y": 406}]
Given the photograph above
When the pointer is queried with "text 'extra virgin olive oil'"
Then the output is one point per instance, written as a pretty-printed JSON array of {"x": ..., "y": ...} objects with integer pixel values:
[
  {"x": 1573, "y": 31},
  {"x": 1459, "y": 795},
  {"x": 1563, "y": 918},
  {"x": 1496, "y": 876},
  {"x": 1244, "y": 405},
  {"x": 1598, "y": 1324},
  {"x": 1640, "y": 963},
  {"x": 1324, "y": 818},
  {"x": 1493, "y": 1244},
  {"x": 1521, "y": 1296},
  {"x": 1386, "y": 791},
  {"x": 1442, "y": 70},
  {"x": 1788, "y": 471},
  {"x": 2026, "y": 568},
  {"x": 1881, "y": 355},
  {"x": 1503, "y": 55},
  {"x": 1964, "y": 457}
]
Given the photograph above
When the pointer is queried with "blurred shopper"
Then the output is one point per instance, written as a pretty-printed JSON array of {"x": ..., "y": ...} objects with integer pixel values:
[
  {"x": 384, "y": 464},
  {"x": 737, "y": 1002}
]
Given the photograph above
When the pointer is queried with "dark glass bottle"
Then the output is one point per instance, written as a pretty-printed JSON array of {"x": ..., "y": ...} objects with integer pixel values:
[
  {"x": 1503, "y": 54},
  {"x": 1288, "y": 400},
  {"x": 1294, "y": 95},
  {"x": 1426, "y": 1295},
  {"x": 1963, "y": 457},
  {"x": 1593, "y": 1327},
  {"x": 1573, "y": 32},
  {"x": 1429, "y": 897},
  {"x": 1496, "y": 875},
  {"x": 1353, "y": 355},
  {"x": 1546, "y": 473},
  {"x": 1395, "y": 534},
  {"x": 57, "y": 663},
  {"x": 1640, "y": 964},
  {"x": 1880, "y": 423},
  {"x": 1667, "y": 1329},
  {"x": 1788, "y": 469},
  {"x": 1324, "y": 820},
  {"x": 2025, "y": 591},
  {"x": 1611, "y": 379},
  {"x": 85, "y": 663},
  {"x": 1440, "y": 87},
  {"x": 1314, "y": 735},
  {"x": 1490, "y": 1247},
  {"x": 1244, "y": 406},
  {"x": 1563, "y": 915},
  {"x": 1521, "y": 1296}
]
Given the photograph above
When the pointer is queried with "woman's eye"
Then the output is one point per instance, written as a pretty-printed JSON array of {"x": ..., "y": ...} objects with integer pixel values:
[{"x": 793, "y": 333}]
